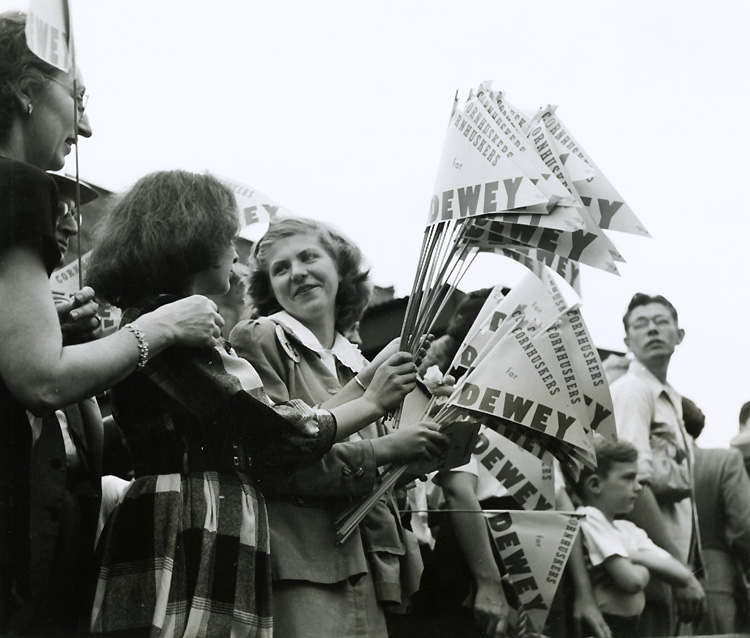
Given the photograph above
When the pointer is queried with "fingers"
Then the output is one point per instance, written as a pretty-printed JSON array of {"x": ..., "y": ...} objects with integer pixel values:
[
  {"x": 64, "y": 304},
  {"x": 195, "y": 321},
  {"x": 86, "y": 311},
  {"x": 431, "y": 443},
  {"x": 84, "y": 295},
  {"x": 423, "y": 348},
  {"x": 431, "y": 451},
  {"x": 500, "y": 628},
  {"x": 401, "y": 358}
]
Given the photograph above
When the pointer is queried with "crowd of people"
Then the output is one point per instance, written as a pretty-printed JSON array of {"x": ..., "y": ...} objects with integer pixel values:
[{"x": 241, "y": 453}]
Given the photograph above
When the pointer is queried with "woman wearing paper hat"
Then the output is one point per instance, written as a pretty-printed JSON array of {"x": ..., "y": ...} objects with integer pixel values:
[
  {"x": 66, "y": 188},
  {"x": 311, "y": 283},
  {"x": 67, "y": 217},
  {"x": 41, "y": 117}
]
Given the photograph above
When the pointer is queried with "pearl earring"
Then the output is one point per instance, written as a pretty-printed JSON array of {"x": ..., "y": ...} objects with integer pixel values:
[{"x": 29, "y": 108}]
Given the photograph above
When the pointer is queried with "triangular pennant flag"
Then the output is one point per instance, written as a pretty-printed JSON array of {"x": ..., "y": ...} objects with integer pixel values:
[
  {"x": 571, "y": 458},
  {"x": 257, "y": 210},
  {"x": 110, "y": 316},
  {"x": 518, "y": 149},
  {"x": 514, "y": 382},
  {"x": 512, "y": 114},
  {"x": 65, "y": 280},
  {"x": 533, "y": 301},
  {"x": 568, "y": 270},
  {"x": 577, "y": 168},
  {"x": 474, "y": 179},
  {"x": 590, "y": 248},
  {"x": 567, "y": 218},
  {"x": 49, "y": 32},
  {"x": 534, "y": 548},
  {"x": 565, "y": 343},
  {"x": 486, "y": 312},
  {"x": 584, "y": 376},
  {"x": 545, "y": 145},
  {"x": 528, "y": 479},
  {"x": 606, "y": 205}
]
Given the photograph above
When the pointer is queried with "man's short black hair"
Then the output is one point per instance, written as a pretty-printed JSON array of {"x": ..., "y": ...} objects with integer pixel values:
[
  {"x": 693, "y": 418},
  {"x": 642, "y": 299},
  {"x": 744, "y": 413}
]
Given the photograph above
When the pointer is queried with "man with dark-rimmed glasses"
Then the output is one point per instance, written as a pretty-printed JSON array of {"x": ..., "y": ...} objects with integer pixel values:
[{"x": 648, "y": 413}]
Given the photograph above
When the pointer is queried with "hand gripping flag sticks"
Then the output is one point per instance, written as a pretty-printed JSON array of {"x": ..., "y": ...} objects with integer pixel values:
[
  {"x": 527, "y": 371},
  {"x": 519, "y": 187}
]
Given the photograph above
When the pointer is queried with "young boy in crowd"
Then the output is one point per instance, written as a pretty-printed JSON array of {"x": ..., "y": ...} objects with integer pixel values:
[{"x": 622, "y": 557}]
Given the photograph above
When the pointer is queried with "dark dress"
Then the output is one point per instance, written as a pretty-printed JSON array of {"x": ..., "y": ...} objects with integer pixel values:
[
  {"x": 28, "y": 210},
  {"x": 187, "y": 551}
]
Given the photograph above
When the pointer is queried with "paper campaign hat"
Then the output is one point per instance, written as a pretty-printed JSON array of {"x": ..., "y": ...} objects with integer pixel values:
[{"x": 66, "y": 185}]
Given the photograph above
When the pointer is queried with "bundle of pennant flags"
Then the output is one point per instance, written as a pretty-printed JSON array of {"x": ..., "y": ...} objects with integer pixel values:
[
  {"x": 528, "y": 371},
  {"x": 519, "y": 187}
]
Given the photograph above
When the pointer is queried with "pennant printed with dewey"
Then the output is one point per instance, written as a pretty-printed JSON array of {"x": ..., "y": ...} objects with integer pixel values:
[
  {"x": 64, "y": 280},
  {"x": 516, "y": 148},
  {"x": 560, "y": 217},
  {"x": 475, "y": 179},
  {"x": 49, "y": 32},
  {"x": 534, "y": 548},
  {"x": 503, "y": 387},
  {"x": 583, "y": 371},
  {"x": 606, "y": 205},
  {"x": 513, "y": 115},
  {"x": 528, "y": 479},
  {"x": 532, "y": 302},
  {"x": 591, "y": 248},
  {"x": 571, "y": 458},
  {"x": 257, "y": 210},
  {"x": 568, "y": 170},
  {"x": 567, "y": 269},
  {"x": 515, "y": 382},
  {"x": 487, "y": 310}
]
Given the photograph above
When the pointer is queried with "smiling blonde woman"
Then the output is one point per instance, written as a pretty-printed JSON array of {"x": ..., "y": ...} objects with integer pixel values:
[{"x": 310, "y": 281}]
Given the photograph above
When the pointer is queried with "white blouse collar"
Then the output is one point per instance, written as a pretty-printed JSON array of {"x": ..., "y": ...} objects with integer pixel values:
[{"x": 344, "y": 350}]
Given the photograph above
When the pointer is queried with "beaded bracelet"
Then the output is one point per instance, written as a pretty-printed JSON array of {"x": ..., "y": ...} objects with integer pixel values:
[
  {"x": 360, "y": 384},
  {"x": 142, "y": 343}
]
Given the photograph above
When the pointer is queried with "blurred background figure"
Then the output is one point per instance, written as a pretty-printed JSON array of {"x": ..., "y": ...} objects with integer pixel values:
[
  {"x": 66, "y": 464},
  {"x": 741, "y": 441},
  {"x": 722, "y": 500}
]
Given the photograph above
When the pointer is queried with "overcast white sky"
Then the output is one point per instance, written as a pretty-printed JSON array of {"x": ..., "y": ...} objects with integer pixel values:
[{"x": 337, "y": 110}]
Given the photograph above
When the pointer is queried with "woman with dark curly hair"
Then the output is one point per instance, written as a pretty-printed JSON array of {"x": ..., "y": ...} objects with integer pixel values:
[
  {"x": 186, "y": 551},
  {"x": 311, "y": 282}
]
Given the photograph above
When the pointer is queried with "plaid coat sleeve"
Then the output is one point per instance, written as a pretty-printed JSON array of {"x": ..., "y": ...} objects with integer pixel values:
[{"x": 218, "y": 387}]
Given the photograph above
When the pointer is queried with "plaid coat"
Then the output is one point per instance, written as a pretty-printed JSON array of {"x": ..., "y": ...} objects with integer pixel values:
[{"x": 187, "y": 551}]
